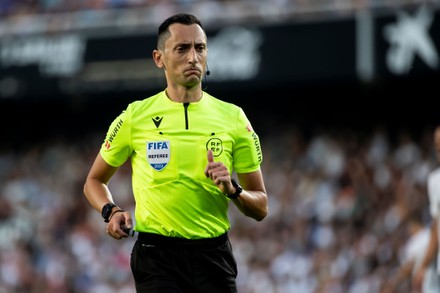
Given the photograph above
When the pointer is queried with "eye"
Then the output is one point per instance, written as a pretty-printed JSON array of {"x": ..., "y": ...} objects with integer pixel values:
[{"x": 201, "y": 48}]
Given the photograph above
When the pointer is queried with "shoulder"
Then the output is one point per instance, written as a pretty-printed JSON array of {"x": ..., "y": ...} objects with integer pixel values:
[
  {"x": 222, "y": 106},
  {"x": 140, "y": 105}
]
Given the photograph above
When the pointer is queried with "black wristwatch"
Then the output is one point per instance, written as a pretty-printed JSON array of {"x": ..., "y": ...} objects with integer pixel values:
[
  {"x": 238, "y": 189},
  {"x": 107, "y": 211}
]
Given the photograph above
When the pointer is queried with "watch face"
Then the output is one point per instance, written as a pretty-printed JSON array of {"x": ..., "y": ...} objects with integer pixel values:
[{"x": 106, "y": 210}]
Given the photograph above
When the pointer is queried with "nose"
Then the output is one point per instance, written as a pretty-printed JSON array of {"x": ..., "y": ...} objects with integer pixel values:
[{"x": 193, "y": 59}]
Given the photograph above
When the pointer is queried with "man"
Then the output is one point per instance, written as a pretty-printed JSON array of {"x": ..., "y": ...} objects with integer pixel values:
[
  {"x": 432, "y": 256},
  {"x": 184, "y": 146},
  {"x": 412, "y": 255}
]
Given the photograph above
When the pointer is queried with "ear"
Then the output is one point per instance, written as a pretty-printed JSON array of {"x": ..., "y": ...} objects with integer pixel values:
[{"x": 157, "y": 58}]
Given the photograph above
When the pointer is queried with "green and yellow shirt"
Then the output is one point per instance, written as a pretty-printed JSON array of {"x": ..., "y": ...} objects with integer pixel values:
[{"x": 167, "y": 144}]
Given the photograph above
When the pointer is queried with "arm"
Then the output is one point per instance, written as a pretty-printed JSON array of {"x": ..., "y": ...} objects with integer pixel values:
[
  {"x": 97, "y": 193},
  {"x": 429, "y": 257},
  {"x": 402, "y": 276},
  {"x": 252, "y": 201}
]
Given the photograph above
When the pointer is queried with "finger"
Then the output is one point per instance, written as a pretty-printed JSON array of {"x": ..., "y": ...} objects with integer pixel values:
[
  {"x": 129, "y": 223},
  {"x": 210, "y": 156}
]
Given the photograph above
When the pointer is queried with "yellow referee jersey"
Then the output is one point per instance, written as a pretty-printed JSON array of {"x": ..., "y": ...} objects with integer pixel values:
[{"x": 167, "y": 144}]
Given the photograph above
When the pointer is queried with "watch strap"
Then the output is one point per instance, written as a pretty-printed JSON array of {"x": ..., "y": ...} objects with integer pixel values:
[
  {"x": 238, "y": 189},
  {"x": 106, "y": 211}
]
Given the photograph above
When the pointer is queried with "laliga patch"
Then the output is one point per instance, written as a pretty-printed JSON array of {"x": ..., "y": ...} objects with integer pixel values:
[{"x": 158, "y": 154}]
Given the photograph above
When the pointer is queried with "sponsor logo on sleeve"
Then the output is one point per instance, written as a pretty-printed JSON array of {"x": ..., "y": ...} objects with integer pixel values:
[
  {"x": 158, "y": 154},
  {"x": 112, "y": 135},
  {"x": 257, "y": 147}
]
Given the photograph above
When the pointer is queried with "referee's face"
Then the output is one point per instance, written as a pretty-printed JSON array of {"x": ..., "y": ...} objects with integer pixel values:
[{"x": 184, "y": 55}]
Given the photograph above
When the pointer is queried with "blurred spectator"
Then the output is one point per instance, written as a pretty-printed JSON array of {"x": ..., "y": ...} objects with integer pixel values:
[
  {"x": 432, "y": 253},
  {"x": 411, "y": 257},
  {"x": 339, "y": 205}
]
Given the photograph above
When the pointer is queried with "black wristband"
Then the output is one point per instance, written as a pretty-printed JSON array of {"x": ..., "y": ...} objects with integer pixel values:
[
  {"x": 238, "y": 189},
  {"x": 107, "y": 211}
]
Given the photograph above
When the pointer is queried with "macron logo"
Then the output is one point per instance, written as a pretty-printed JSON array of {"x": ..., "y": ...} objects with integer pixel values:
[{"x": 157, "y": 120}]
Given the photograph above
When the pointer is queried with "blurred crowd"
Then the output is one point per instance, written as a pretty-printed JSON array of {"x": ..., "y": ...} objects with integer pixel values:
[
  {"x": 48, "y": 16},
  {"x": 340, "y": 201},
  {"x": 339, "y": 204},
  {"x": 11, "y": 7}
]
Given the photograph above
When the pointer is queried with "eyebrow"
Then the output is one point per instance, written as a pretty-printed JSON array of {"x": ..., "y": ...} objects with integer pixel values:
[{"x": 189, "y": 44}]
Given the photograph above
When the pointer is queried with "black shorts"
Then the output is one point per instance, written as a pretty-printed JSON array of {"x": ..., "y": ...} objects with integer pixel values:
[{"x": 167, "y": 264}]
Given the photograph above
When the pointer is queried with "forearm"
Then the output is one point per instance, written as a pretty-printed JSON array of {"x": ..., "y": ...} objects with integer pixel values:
[
  {"x": 95, "y": 188},
  {"x": 432, "y": 247},
  {"x": 252, "y": 204},
  {"x": 97, "y": 193}
]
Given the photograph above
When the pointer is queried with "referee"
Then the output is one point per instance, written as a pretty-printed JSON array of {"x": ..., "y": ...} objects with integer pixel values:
[{"x": 183, "y": 145}]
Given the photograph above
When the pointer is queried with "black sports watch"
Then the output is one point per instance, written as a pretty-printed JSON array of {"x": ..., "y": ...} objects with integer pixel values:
[
  {"x": 238, "y": 189},
  {"x": 107, "y": 211}
]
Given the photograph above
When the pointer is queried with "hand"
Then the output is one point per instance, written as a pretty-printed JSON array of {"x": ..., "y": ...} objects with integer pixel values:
[
  {"x": 218, "y": 172},
  {"x": 118, "y": 222}
]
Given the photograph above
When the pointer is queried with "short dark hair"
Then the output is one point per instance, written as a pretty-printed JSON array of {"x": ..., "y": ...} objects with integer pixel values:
[{"x": 182, "y": 18}]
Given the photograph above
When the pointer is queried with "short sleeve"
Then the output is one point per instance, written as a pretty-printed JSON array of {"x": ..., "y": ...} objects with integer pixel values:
[
  {"x": 116, "y": 148},
  {"x": 247, "y": 152}
]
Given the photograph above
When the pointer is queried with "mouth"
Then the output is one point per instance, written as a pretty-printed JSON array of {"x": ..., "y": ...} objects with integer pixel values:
[{"x": 192, "y": 71}]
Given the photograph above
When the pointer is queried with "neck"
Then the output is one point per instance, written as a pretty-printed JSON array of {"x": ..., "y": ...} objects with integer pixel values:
[{"x": 184, "y": 95}]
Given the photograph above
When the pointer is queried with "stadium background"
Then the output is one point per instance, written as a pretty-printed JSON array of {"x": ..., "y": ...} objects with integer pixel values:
[{"x": 346, "y": 134}]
